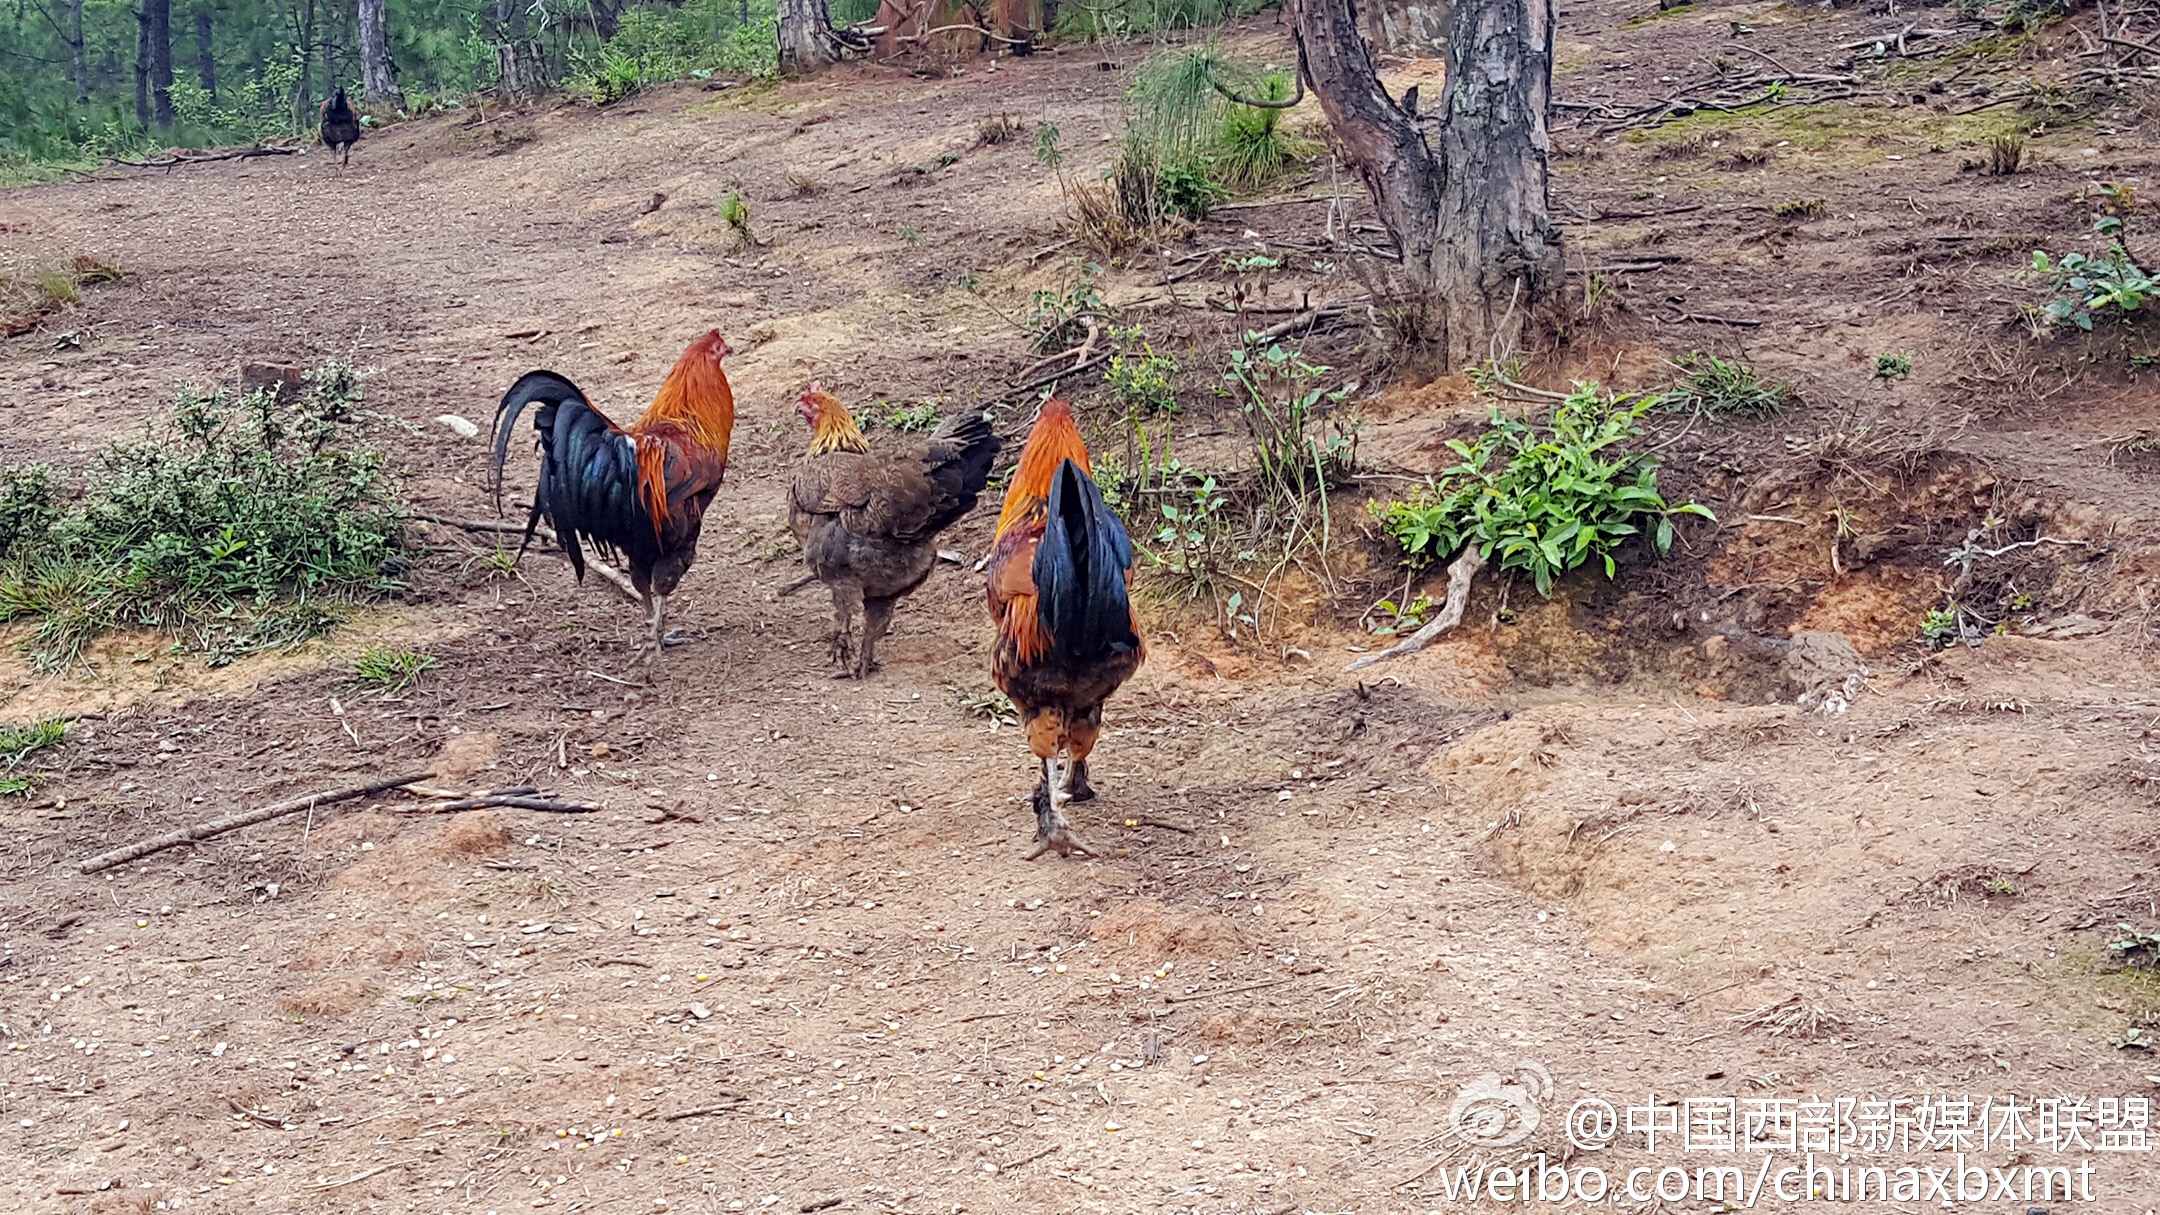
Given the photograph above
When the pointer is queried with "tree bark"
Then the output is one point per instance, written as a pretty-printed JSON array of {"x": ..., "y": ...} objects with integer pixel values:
[
  {"x": 1407, "y": 27},
  {"x": 76, "y": 54},
  {"x": 378, "y": 75},
  {"x": 1479, "y": 252},
  {"x": 807, "y": 41},
  {"x": 205, "y": 51},
  {"x": 142, "y": 68},
  {"x": 520, "y": 67},
  {"x": 159, "y": 30}
]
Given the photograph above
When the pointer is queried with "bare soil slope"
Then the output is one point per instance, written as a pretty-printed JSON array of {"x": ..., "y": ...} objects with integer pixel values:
[{"x": 798, "y": 964}]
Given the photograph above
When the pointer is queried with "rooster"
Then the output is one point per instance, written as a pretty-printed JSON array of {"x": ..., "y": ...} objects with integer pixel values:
[
  {"x": 1066, "y": 633},
  {"x": 639, "y": 491},
  {"x": 340, "y": 126},
  {"x": 868, "y": 524}
]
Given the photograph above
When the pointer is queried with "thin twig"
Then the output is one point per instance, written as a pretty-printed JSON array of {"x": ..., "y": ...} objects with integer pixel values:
[{"x": 233, "y": 822}]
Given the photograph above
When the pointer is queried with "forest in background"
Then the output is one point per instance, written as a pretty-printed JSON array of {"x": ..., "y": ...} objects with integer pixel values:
[{"x": 85, "y": 79}]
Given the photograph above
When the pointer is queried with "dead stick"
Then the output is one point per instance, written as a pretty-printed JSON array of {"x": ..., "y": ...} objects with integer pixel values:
[
  {"x": 739, "y": 1102},
  {"x": 1459, "y": 574},
  {"x": 203, "y": 831},
  {"x": 1228, "y": 991},
  {"x": 513, "y": 801}
]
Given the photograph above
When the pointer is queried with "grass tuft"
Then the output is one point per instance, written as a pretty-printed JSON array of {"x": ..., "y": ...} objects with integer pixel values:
[
  {"x": 388, "y": 672},
  {"x": 1714, "y": 386}
]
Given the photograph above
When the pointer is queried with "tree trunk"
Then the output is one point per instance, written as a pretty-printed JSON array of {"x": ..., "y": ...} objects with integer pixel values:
[
  {"x": 520, "y": 67},
  {"x": 142, "y": 68},
  {"x": 807, "y": 42},
  {"x": 378, "y": 75},
  {"x": 205, "y": 52},
  {"x": 76, "y": 54},
  {"x": 159, "y": 28},
  {"x": 1407, "y": 27},
  {"x": 1479, "y": 253}
]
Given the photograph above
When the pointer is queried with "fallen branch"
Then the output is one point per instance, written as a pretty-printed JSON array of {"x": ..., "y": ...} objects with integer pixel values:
[
  {"x": 1310, "y": 322},
  {"x": 1459, "y": 574},
  {"x": 1054, "y": 376},
  {"x": 175, "y": 161},
  {"x": 500, "y": 527},
  {"x": 514, "y": 801},
  {"x": 973, "y": 29},
  {"x": 363, "y": 1175},
  {"x": 233, "y": 822}
]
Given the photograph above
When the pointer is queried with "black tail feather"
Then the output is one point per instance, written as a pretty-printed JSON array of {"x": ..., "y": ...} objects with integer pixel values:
[
  {"x": 961, "y": 452},
  {"x": 587, "y": 488},
  {"x": 1080, "y": 570}
]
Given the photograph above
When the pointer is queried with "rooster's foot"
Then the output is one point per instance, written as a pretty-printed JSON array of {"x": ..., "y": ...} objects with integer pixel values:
[{"x": 1052, "y": 832}]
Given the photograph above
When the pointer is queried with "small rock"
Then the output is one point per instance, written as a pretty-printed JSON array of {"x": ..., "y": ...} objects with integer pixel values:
[{"x": 464, "y": 428}]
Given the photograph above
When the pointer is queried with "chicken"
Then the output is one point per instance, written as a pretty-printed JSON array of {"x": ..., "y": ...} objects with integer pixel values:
[
  {"x": 1067, "y": 636},
  {"x": 340, "y": 126},
  {"x": 868, "y": 523},
  {"x": 637, "y": 493}
]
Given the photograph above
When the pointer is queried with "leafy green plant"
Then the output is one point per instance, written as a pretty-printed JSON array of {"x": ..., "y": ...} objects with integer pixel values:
[
  {"x": 734, "y": 212},
  {"x": 1941, "y": 627},
  {"x": 1800, "y": 208},
  {"x": 1280, "y": 394},
  {"x": 388, "y": 672},
  {"x": 1052, "y": 311},
  {"x": 1893, "y": 364},
  {"x": 1544, "y": 499},
  {"x": 1185, "y": 188},
  {"x": 921, "y": 416},
  {"x": 2111, "y": 285},
  {"x": 1388, "y": 619},
  {"x": 1724, "y": 387},
  {"x": 241, "y": 523},
  {"x": 1142, "y": 381}
]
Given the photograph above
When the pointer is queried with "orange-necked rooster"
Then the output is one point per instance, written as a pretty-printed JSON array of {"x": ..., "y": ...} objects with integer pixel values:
[
  {"x": 637, "y": 491},
  {"x": 1066, "y": 633}
]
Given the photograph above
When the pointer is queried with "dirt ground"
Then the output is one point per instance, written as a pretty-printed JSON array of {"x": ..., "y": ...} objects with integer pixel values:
[{"x": 798, "y": 964}]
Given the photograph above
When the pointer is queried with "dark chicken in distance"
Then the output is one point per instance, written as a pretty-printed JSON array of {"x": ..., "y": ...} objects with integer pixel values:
[
  {"x": 1067, "y": 638},
  {"x": 868, "y": 521},
  {"x": 639, "y": 492},
  {"x": 340, "y": 126}
]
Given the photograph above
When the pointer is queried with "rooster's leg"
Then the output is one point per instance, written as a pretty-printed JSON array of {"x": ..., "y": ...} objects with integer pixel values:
[
  {"x": 659, "y": 629},
  {"x": 847, "y": 602},
  {"x": 1052, "y": 832},
  {"x": 877, "y": 621}
]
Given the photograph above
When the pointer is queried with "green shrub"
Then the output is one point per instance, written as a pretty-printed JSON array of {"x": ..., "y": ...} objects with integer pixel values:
[
  {"x": 240, "y": 524},
  {"x": 1543, "y": 499},
  {"x": 1893, "y": 364}
]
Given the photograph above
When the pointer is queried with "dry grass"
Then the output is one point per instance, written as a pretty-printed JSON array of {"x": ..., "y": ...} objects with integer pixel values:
[
  {"x": 996, "y": 129},
  {"x": 1792, "y": 1017},
  {"x": 28, "y": 297}
]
